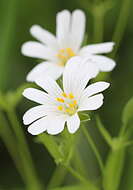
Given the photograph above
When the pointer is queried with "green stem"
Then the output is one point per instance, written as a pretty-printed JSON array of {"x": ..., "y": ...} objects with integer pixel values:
[
  {"x": 81, "y": 178},
  {"x": 123, "y": 130},
  {"x": 10, "y": 142},
  {"x": 98, "y": 24},
  {"x": 79, "y": 164},
  {"x": 26, "y": 158},
  {"x": 121, "y": 25},
  {"x": 94, "y": 148},
  {"x": 7, "y": 32},
  {"x": 57, "y": 177},
  {"x": 113, "y": 169}
]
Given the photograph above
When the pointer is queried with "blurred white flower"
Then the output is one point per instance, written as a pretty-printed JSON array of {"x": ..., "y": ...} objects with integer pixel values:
[
  {"x": 55, "y": 51},
  {"x": 62, "y": 106}
]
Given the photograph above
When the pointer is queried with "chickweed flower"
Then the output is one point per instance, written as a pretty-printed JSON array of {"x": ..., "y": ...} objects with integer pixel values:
[
  {"x": 60, "y": 106},
  {"x": 55, "y": 51}
]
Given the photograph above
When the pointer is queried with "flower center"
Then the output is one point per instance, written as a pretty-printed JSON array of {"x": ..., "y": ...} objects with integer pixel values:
[
  {"x": 67, "y": 103},
  {"x": 64, "y": 55}
]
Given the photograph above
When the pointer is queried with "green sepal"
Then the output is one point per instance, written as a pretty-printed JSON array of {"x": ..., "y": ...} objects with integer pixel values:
[{"x": 84, "y": 117}]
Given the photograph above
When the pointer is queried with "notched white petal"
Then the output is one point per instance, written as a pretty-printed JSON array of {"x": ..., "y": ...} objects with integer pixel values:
[
  {"x": 104, "y": 64},
  {"x": 98, "y": 48},
  {"x": 37, "y": 50},
  {"x": 44, "y": 36},
  {"x": 91, "y": 103},
  {"x": 36, "y": 95},
  {"x": 77, "y": 28},
  {"x": 73, "y": 123},
  {"x": 45, "y": 69},
  {"x": 77, "y": 74},
  {"x": 34, "y": 113},
  {"x": 55, "y": 125},
  {"x": 63, "y": 27},
  {"x": 49, "y": 85},
  {"x": 38, "y": 126},
  {"x": 95, "y": 88}
]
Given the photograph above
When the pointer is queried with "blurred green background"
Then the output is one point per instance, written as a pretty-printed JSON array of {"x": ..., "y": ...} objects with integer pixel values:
[{"x": 16, "y": 17}]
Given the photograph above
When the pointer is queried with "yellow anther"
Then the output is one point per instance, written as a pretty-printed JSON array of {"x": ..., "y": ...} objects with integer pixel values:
[
  {"x": 71, "y": 105},
  {"x": 62, "y": 50},
  {"x": 75, "y": 102},
  {"x": 71, "y": 96},
  {"x": 70, "y": 52},
  {"x": 64, "y": 94},
  {"x": 60, "y": 56},
  {"x": 64, "y": 54},
  {"x": 70, "y": 111},
  {"x": 60, "y": 100},
  {"x": 60, "y": 108}
]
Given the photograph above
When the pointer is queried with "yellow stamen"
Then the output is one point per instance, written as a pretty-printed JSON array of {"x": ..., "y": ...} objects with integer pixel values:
[
  {"x": 71, "y": 96},
  {"x": 65, "y": 54},
  {"x": 70, "y": 111},
  {"x": 64, "y": 94},
  {"x": 60, "y": 56},
  {"x": 62, "y": 50},
  {"x": 71, "y": 105},
  {"x": 75, "y": 102},
  {"x": 70, "y": 52},
  {"x": 60, "y": 100},
  {"x": 60, "y": 108}
]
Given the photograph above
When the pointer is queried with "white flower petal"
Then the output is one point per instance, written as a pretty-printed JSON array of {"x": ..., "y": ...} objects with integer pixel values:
[
  {"x": 36, "y": 95},
  {"x": 73, "y": 123},
  {"x": 44, "y": 36},
  {"x": 55, "y": 125},
  {"x": 77, "y": 74},
  {"x": 38, "y": 50},
  {"x": 77, "y": 28},
  {"x": 34, "y": 114},
  {"x": 49, "y": 85},
  {"x": 45, "y": 69},
  {"x": 104, "y": 64},
  {"x": 63, "y": 27},
  {"x": 91, "y": 103},
  {"x": 105, "y": 47},
  {"x": 95, "y": 88},
  {"x": 38, "y": 126}
]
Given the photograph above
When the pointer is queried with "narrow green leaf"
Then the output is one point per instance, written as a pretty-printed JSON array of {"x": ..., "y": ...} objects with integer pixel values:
[
  {"x": 113, "y": 169},
  {"x": 7, "y": 34},
  {"x": 51, "y": 145},
  {"x": 103, "y": 131},
  {"x": 127, "y": 114}
]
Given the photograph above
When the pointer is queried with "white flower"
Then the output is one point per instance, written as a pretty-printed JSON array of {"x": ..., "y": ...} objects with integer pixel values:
[
  {"x": 55, "y": 51},
  {"x": 62, "y": 106}
]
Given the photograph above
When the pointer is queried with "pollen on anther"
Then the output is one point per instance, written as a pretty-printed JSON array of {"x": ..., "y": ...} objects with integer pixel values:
[
  {"x": 75, "y": 102},
  {"x": 60, "y": 100},
  {"x": 70, "y": 52},
  {"x": 71, "y": 96},
  {"x": 64, "y": 94},
  {"x": 71, "y": 105},
  {"x": 60, "y": 108}
]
